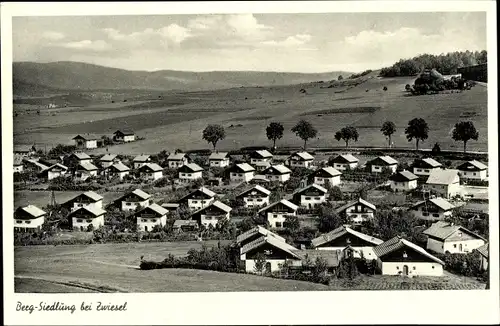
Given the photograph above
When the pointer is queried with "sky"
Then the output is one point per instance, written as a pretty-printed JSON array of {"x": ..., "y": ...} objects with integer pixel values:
[{"x": 258, "y": 42}]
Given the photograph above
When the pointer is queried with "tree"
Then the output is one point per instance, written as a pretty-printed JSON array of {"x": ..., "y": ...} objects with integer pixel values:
[
  {"x": 388, "y": 129},
  {"x": 291, "y": 223},
  {"x": 305, "y": 131},
  {"x": 417, "y": 129},
  {"x": 340, "y": 77},
  {"x": 329, "y": 219},
  {"x": 347, "y": 134},
  {"x": 213, "y": 133},
  {"x": 436, "y": 149},
  {"x": 259, "y": 263},
  {"x": 465, "y": 131},
  {"x": 274, "y": 132}
]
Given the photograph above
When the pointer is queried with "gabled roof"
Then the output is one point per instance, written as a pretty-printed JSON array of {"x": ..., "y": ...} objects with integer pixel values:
[
  {"x": 87, "y": 166},
  {"x": 403, "y": 176},
  {"x": 279, "y": 168},
  {"x": 427, "y": 161},
  {"x": 332, "y": 257},
  {"x": 303, "y": 156},
  {"x": 313, "y": 185},
  {"x": 257, "y": 230},
  {"x": 255, "y": 188},
  {"x": 438, "y": 201},
  {"x": 191, "y": 167},
  {"x": 120, "y": 167},
  {"x": 472, "y": 166},
  {"x": 354, "y": 202},
  {"x": 483, "y": 250},
  {"x": 396, "y": 243},
  {"x": 272, "y": 241},
  {"x": 345, "y": 158},
  {"x": 125, "y": 132},
  {"x": 217, "y": 204},
  {"x": 92, "y": 195},
  {"x": 81, "y": 156},
  {"x": 142, "y": 158},
  {"x": 57, "y": 165},
  {"x": 32, "y": 210},
  {"x": 442, "y": 230},
  {"x": 284, "y": 202},
  {"x": 93, "y": 210},
  {"x": 385, "y": 160},
  {"x": 86, "y": 137},
  {"x": 38, "y": 164},
  {"x": 108, "y": 158},
  {"x": 203, "y": 190},
  {"x": 442, "y": 176},
  {"x": 176, "y": 157},
  {"x": 218, "y": 156},
  {"x": 328, "y": 170},
  {"x": 139, "y": 193},
  {"x": 155, "y": 208},
  {"x": 340, "y": 231},
  {"x": 151, "y": 167},
  {"x": 243, "y": 167},
  {"x": 261, "y": 154}
]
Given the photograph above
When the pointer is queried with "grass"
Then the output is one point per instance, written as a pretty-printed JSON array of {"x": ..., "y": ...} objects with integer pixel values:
[{"x": 42, "y": 198}]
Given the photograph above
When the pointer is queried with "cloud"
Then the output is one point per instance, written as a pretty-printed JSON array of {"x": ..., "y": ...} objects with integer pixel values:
[
  {"x": 290, "y": 41},
  {"x": 54, "y": 36},
  {"x": 87, "y": 45}
]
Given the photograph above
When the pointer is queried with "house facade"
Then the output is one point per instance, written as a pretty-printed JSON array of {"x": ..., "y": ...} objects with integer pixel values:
[
  {"x": 133, "y": 200},
  {"x": 310, "y": 196},
  {"x": 278, "y": 173},
  {"x": 277, "y": 212},
  {"x": 261, "y": 159},
  {"x": 403, "y": 181},
  {"x": 86, "y": 141},
  {"x": 433, "y": 209},
  {"x": 344, "y": 162},
  {"x": 150, "y": 172},
  {"x": 199, "y": 198},
  {"x": 327, "y": 175},
  {"x": 218, "y": 159},
  {"x": 177, "y": 160},
  {"x": 141, "y": 160},
  {"x": 424, "y": 167},
  {"x": 443, "y": 182},
  {"x": 380, "y": 163},
  {"x": 300, "y": 160},
  {"x": 124, "y": 135},
  {"x": 242, "y": 172},
  {"x": 85, "y": 170},
  {"x": 87, "y": 199},
  {"x": 358, "y": 211},
  {"x": 108, "y": 160},
  {"x": 211, "y": 214},
  {"x": 54, "y": 171},
  {"x": 150, "y": 216},
  {"x": 275, "y": 251},
  {"x": 473, "y": 170},
  {"x": 190, "y": 172},
  {"x": 119, "y": 170},
  {"x": 85, "y": 216},
  {"x": 29, "y": 218},
  {"x": 256, "y": 196},
  {"x": 444, "y": 237}
]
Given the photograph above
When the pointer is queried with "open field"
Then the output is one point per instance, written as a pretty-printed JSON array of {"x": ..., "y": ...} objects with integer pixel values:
[{"x": 42, "y": 198}]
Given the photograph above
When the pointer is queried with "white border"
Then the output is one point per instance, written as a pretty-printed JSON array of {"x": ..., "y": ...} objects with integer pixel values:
[{"x": 359, "y": 307}]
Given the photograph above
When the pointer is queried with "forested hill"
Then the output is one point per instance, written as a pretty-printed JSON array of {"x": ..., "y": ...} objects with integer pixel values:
[{"x": 447, "y": 64}]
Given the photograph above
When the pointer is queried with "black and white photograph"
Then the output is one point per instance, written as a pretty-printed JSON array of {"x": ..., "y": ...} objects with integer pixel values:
[{"x": 266, "y": 152}]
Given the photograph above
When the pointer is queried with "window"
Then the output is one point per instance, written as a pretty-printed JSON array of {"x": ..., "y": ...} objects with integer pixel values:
[
  {"x": 459, "y": 234},
  {"x": 397, "y": 267},
  {"x": 275, "y": 215},
  {"x": 195, "y": 202},
  {"x": 432, "y": 266},
  {"x": 308, "y": 198},
  {"x": 28, "y": 222},
  {"x": 414, "y": 267},
  {"x": 89, "y": 221},
  {"x": 426, "y": 170},
  {"x": 208, "y": 218},
  {"x": 435, "y": 214},
  {"x": 278, "y": 224},
  {"x": 128, "y": 204},
  {"x": 364, "y": 215},
  {"x": 425, "y": 214},
  {"x": 320, "y": 179},
  {"x": 79, "y": 220},
  {"x": 454, "y": 246},
  {"x": 189, "y": 174},
  {"x": 474, "y": 173},
  {"x": 249, "y": 199},
  {"x": 153, "y": 220},
  {"x": 144, "y": 220},
  {"x": 18, "y": 222}
]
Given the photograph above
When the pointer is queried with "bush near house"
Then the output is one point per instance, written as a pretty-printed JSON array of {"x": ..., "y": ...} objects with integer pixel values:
[{"x": 466, "y": 265}]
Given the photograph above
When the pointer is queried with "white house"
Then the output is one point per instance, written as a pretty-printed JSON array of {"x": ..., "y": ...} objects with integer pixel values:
[
  {"x": 150, "y": 171},
  {"x": 29, "y": 218},
  {"x": 177, "y": 160},
  {"x": 327, "y": 175},
  {"x": 403, "y": 181},
  {"x": 357, "y": 211},
  {"x": 484, "y": 252},
  {"x": 276, "y": 213},
  {"x": 425, "y": 166},
  {"x": 443, "y": 182},
  {"x": 190, "y": 172},
  {"x": 124, "y": 135},
  {"x": 433, "y": 209},
  {"x": 140, "y": 160},
  {"x": 86, "y": 170},
  {"x": 344, "y": 162},
  {"x": 444, "y": 237},
  {"x": 87, "y": 141},
  {"x": 310, "y": 196},
  {"x": 117, "y": 169},
  {"x": 300, "y": 159},
  {"x": 54, "y": 171},
  {"x": 150, "y": 216},
  {"x": 383, "y": 162},
  {"x": 211, "y": 214},
  {"x": 85, "y": 216},
  {"x": 80, "y": 157},
  {"x": 261, "y": 159},
  {"x": 473, "y": 170},
  {"x": 398, "y": 256},
  {"x": 242, "y": 172},
  {"x": 218, "y": 159},
  {"x": 134, "y": 199},
  {"x": 199, "y": 198},
  {"x": 278, "y": 173},
  {"x": 108, "y": 160},
  {"x": 255, "y": 233},
  {"x": 344, "y": 236},
  {"x": 255, "y": 197},
  {"x": 86, "y": 199},
  {"x": 18, "y": 164}
]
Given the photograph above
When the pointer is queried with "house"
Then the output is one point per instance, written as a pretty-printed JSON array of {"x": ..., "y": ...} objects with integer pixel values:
[
  {"x": 83, "y": 217},
  {"x": 278, "y": 173},
  {"x": 177, "y": 160},
  {"x": 474, "y": 170},
  {"x": 326, "y": 175},
  {"x": 343, "y": 237},
  {"x": 86, "y": 170},
  {"x": 189, "y": 172},
  {"x": 34, "y": 165},
  {"x": 443, "y": 182},
  {"x": 484, "y": 252},
  {"x": 211, "y": 214},
  {"x": 140, "y": 160},
  {"x": 423, "y": 167},
  {"x": 24, "y": 150},
  {"x": 86, "y": 199},
  {"x": 300, "y": 160},
  {"x": 260, "y": 179},
  {"x": 218, "y": 159},
  {"x": 261, "y": 159},
  {"x": 18, "y": 163},
  {"x": 124, "y": 135},
  {"x": 150, "y": 216},
  {"x": 398, "y": 256},
  {"x": 242, "y": 172},
  {"x": 87, "y": 141},
  {"x": 433, "y": 209},
  {"x": 255, "y": 233},
  {"x": 310, "y": 196},
  {"x": 444, "y": 237},
  {"x": 255, "y": 197},
  {"x": 380, "y": 163},
  {"x": 29, "y": 218},
  {"x": 108, "y": 160},
  {"x": 150, "y": 171},
  {"x": 357, "y": 211},
  {"x": 80, "y": 157},
  {"x": 134, "y": 199},
  {"x": 403, "y": 181},
  {"x": 276, "y": 213},
  {"x": 344, "y": 162},
  {"x": 199, "y": 198},
  {"x": 214, "y": 182},
  {"x": 185, "y": 225},
  {"x": 53, "y": 171},
  {"x": 119, "y": 170}
]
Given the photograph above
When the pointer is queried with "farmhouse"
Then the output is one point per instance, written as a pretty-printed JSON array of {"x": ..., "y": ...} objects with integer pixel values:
[
  {"x": 141, "y": 160},
  {"x": 190, "y": 172},
  {"x": 344, "y": 162},
  {"x": 444, "y": 237},
  {"x": 150, "y": 171},
  {"x": 484, "y": 252},
  {"x": 108, "y": 160},
  {"x": 276, "y": 213},
  {"x": 199, "y": 198},
  {"x": 343, "y": 237},
  {"x": 177, "y": 160},
  {"x": 18, "y": 164},
  {"x": 85, "y": 170},
  {"x": 211, "y": 214},
  {"x": 261, "y": 159},
  {"x": 403, "y": 181},
  {"x": 473, "y": 170},
  {"x": 29, "y": 218},
  {"x": 310, "y": 196},
  {"x": 424, "y": 167},
  {"x": 443, "y": 182},
  {"x": 24, "y": 150},
  {"x": 218, "y": 159},
  {"x": 398, "y": 256},
  {"x": 327, "y": 175},
  {"x": 119, "y": 170},
  {"x": 124, "y": 135},
  {"x": 185, "y": 225},
  {"x": 433, "y": 209},
  {"x": 83, "y": 217},
  {"x": 357, "y": 211},
  {"x": 134, "y": 199},
  {"x": 255, "y": 196},
  {"x": 34, "y": 165},
  {"x": 242, "y": 172},
  {"x": 54, "y": 171},
  {"x": 86, "y": 199},
  {"x": 150, "y": 216},
  {"x": 277, "y": 173},
  {"x": 300, "y": 159},
  {"x": 255, "y": 233},
  {"x": 80, "y": 157},
  {"x": 382, "y": 162},
  {"x": 86, "y": 141}
]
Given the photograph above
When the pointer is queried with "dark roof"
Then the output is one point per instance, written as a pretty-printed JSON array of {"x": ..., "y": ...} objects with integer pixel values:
[
  {"x": 397, "y": 243},
  {"x": 472, "y": 166},
  {"x": 426, "y": 163},
  {"x": 32, "y": 210},
  {"x": 354, "y": 202},
  {"x": 125, "y": 132},
  {"x": 93, "y": 210},
  {"x": 340, "y": 231},
  {"x": 383, "y": 161},
  {"x": 403, "y": 176},
  {"x": 345, "y": 158},
  {"x": 261, "y": 154},
  {"x": 86, "y": 137},
  {"x": 483, "y": 250},
  {"x": 191, "y": 167},
  {"x": 257, "y": 188}
]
